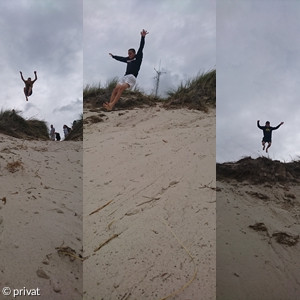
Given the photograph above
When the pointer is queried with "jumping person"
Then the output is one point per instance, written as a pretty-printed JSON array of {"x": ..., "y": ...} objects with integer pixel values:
[
  {"x": 267, "y": 130},
  {"x": 134, "y": 61},
  {"x": 28, "y": 85}
]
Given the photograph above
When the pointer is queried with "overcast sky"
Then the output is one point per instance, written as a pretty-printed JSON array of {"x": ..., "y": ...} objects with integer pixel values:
[
  {"x": 182, "y": 36},
  {"x": 43, "y": 36},
  {"x": 258, "y": 77}
]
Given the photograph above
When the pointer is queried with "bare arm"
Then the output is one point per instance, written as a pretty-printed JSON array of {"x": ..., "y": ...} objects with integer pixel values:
[
  {"x": 22, "y": 77},
  {"x": 35, "y": 76}
]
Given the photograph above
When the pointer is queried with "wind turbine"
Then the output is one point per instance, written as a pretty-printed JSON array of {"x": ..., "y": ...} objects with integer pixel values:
[{"x": 159, "y": 72}]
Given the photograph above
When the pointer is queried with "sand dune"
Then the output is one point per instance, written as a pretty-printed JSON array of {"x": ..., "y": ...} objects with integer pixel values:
[
  {"x": 41, "y": 217},
  {"x": 258, "y": 231},
  {"x": 149, "y": 204}
]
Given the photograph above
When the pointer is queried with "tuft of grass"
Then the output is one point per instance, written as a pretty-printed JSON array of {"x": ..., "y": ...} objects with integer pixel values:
[
  {"x": 197, "y": 93},
  {"x": 13, "y": 124},
  {"x": 76, "y": 133},
  {"x": 259, "y": 170},
  {"x": 94, "y": 96},
  {"x": 98, "y": 90}
]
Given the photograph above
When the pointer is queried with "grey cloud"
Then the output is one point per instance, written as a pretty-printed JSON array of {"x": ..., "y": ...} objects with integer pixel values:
[
  {"x": 45, "y": 36},
  {"x": 182, "y": 37},
  {"x": 74, "y": 105},
  {"x": 257, "y": 76}
]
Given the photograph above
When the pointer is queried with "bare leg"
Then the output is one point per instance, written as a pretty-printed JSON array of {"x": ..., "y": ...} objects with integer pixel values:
[
  {"x": 121, "y": 89},
  {"x": 115, "y": 96},
  {"x": 263, "y": 143},
  {"x": 269, "y": 145},
  {"x": 25, "y": 93}
]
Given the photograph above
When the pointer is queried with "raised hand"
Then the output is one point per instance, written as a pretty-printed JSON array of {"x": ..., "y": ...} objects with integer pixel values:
[{"x": 144, "y": 32}]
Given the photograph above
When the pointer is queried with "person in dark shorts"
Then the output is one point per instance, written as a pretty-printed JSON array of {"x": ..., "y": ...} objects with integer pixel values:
[
  {"x": 57, "y": 135},
  {"x": 267, "y": 130},
  {"x": 134, "y": 61},
  {"x": 28, "y": 85}
]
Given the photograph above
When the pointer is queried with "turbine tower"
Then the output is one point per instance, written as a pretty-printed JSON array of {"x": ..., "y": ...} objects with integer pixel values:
[{"x": 159, "y": 72}]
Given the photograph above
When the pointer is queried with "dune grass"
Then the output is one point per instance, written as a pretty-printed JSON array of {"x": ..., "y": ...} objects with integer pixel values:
[
  {"x": 76, "y": 133},
  {"x": 99, "y": 90},
  {"x": 197, "y": 93},
  {"x": 95, "y": 95},
  {"x": 259, "y": 170},
  {"x": 13, "y": 124}
]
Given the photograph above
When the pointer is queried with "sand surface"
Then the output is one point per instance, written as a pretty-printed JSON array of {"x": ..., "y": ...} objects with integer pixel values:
[
  {"x": 149, "y": 204},
  {"x": 259, "y": 262},
  {"x": 41, "y": 209}
]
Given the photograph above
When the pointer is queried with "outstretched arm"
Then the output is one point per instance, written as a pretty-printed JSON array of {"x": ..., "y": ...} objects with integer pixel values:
[
  {"x": 260, "y": 127},
  {"x": 142, "y": 43},
  {"x": 274, "y": 128},
  {"x": 22, "y": 76},
  {"x": 35, "y": 76},
  {"x": 119, "y": 58},
  {"x": 144, "y": 32}
]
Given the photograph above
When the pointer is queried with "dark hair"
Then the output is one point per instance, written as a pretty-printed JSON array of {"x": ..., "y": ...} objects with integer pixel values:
[
  {"x": 267, "y": 122},
  {"x": 131, "y": 49}
]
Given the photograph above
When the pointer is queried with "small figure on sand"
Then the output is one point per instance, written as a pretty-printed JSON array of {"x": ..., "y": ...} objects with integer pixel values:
[
  {"x": 134, "y": 61},
  {"x": 52, "y": 133},
  {"x": 57, "y": 135},
  {"x": 267, "y": 130},
  {"x": 67, "y": 130},
  {"x": 28, "y": 85}
]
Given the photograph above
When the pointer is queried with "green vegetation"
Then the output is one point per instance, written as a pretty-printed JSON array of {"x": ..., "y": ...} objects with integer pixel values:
[
  {"x": 76, "y": 133},
  {"x": 13, "y": 124},
  {"x": 198, "y": 93},
  {"x": 106, "y": 90},
  {"x": 95, "y": 96},
  {"x": 259, "y": 170}
]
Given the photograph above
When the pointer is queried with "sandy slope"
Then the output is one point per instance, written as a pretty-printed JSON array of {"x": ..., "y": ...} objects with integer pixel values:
[
  {"x": 154, "y": 169},
  {"x": 251, "y": 263},
  {"x": 41, "y": 209}
]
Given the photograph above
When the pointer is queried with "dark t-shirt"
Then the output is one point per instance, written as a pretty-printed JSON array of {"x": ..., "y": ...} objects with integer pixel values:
[
  {"x": 133, "y": 65},
  {"x": 267, "y": 130}
]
